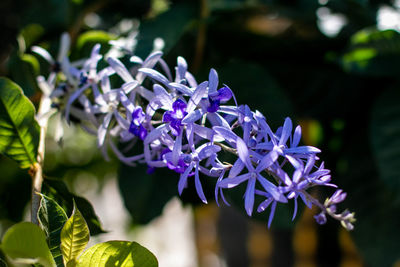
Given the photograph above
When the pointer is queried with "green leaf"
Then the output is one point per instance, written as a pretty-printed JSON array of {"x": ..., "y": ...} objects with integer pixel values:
[
  {"x": 169, "y": 26},
  {"x": 94, "y": 37},
  {"x": 146, "y": 194},
  {"x": 87, "y": 40},
  {"x": 23, "y": 70},
  {"x": 385, "y": 132},
  {"x": 52, "y": 219},
  {"x": 19, "y": 131},
  {"x": 118, "y": 253},
  {"x": 74, "y": 238},
  {"x": 58, "y": 191},
  {"x": 25, "y": 242},
  {"x": 373, "y": 52}
]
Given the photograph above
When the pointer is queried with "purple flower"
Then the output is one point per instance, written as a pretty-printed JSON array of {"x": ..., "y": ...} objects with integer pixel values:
[
  {"x": 186, "y": 162},
  {"x": 175, "y": 116},
  {"x": 136, "y": 127},
  {"x": 252, "y": 176}
]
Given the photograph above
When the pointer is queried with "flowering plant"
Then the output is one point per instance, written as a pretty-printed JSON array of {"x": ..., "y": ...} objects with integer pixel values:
[{"x": 186, "y": 126}]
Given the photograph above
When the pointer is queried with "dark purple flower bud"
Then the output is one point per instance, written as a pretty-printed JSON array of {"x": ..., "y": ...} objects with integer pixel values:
[{"x": 320, "y": 218}]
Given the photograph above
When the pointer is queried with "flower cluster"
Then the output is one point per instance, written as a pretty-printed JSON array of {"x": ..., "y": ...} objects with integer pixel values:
[{"x": 186, "y": 126}]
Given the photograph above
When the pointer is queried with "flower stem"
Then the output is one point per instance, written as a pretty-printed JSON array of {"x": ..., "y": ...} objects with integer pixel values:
[{"x": 37, "y": 176}]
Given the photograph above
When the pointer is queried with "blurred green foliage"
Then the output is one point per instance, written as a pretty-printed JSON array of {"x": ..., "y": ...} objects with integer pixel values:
[{"x": 274, "y": 54}]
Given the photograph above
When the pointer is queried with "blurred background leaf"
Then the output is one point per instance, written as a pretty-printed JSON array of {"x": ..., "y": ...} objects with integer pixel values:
[{"x": 385, "y": 132}]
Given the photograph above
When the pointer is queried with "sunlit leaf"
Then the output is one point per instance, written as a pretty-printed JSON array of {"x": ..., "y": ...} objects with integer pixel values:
[
  {"x": 19, "y": 131},
  {"x": 52, "y": 219},
  {"x": 74, "y": 238},
  {"x": 25, "y": 242},
  {"x": 373, "y": 52},
  {"x": 87, "y": 40},
  {"x": 118, "y": 253}
]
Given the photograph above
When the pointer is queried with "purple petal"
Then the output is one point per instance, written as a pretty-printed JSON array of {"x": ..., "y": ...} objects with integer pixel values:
[
  {"x": 102, "y": 131},
  {"x": 224, "y": 94},
  {"x": 296, "y": 136},
  {"x": 247, "y": 123},
  {"x": 295, "y": 209},
  {"x": 265, "y": 146},
  {"x": 193, "y": 116},
  {"x": 198, "y": 94},
  {"x": 183, "y": 179},
  {"x": 264, "y": 205},
  {"x": 42, "y": 52},
  {"x": 129, "y": 86},
  {"x": 310, "y": 164},
  {"x": 206, "y": 133},
  {"x": 142, "y": 132},
  {"x": 302, "y": 150},
  {"x": 209, "y": 150},
  {"x": 232, "y": 182},
  {"x": 176, "y": 151},
  {"x": 226, "y": 133},
  {"x": 272, "y": 213},
  {"x": 271, "y": 188},
  {"x": 175, "y": 126},
  {"x": 217, "y": 120},
  {"x": 120, "y": 69},
  {"x": 296, "y": 163},
  {"x": 214, "y": 106},
  {"x": 179, "y": 106},
  {"x": 182, "y": 68},
  {"x": 167, "y": 117},
  {"x": 155, "y": 75},
  {"x": 244, "y": 153},
  {"x": 267, "y": 161},
  {"x": 163, "y": 96},
  {"x": 266, "y": 128},
  {"x": 297, "y": 176},
  {"x": 182, "y": 88},
  {"x": 199, "y": 188},
  {"x": 138, "y": 116},
  {"x": 236, "y": 168},
  {"x": 338, "y": 196},
  {"x": 249, "y": 196},
  {"x": 152, "y": 59},
  {"x": 212, "y": 81},
  {"x": 286, "y": 131}
]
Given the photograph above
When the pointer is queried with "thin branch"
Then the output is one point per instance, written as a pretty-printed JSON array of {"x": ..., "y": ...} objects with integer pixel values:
[{"x": 37, "y": 172}]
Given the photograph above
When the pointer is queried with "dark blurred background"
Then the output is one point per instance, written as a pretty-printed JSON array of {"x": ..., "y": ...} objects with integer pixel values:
[{"x": 331, "y": 65}]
